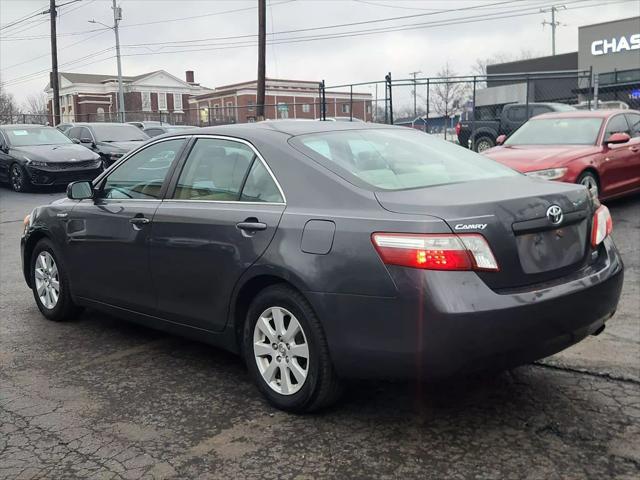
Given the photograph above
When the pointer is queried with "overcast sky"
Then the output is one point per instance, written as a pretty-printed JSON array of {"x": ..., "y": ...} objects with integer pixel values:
[{"x": 25, "y": 49}]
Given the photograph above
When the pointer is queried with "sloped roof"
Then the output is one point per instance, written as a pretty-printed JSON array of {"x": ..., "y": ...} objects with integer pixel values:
[{"x": 95, "y": 78}]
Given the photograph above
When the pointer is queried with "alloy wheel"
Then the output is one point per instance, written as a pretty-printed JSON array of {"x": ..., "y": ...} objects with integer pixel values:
[
  {"x": 591, "y": 183},
  {"x": 17, "y": 178},
  {"x": 483, "y": 145},
  {"x": 47, "y": 280},
  {"x": 281, "y": 350}
]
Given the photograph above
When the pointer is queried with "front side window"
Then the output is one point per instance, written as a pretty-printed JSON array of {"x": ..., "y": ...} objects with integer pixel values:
[
  {"x": 617, "y": 124},
  {"x": 557, "y": 131},
  {"x": 393, "y": 159},
  {"x": 118, "y": 132},
  {"x": 32, "y": 136},
  {"x": 141, "y": 176},
  {"x": 517, "y": 114},
  {"x": 634, "y": 123},
  {"x": 214, "y": 170}
]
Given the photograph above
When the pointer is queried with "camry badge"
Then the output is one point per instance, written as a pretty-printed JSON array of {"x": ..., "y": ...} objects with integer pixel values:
[{"x": 554, "y": 214}]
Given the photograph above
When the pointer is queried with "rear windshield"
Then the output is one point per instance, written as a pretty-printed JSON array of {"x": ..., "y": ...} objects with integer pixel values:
[
  {"x": 118, "y": 133},
  {"x": 32, "y": 136},
  {"x": 557, "y": 131},
  {"x": 396, "y": 159}
]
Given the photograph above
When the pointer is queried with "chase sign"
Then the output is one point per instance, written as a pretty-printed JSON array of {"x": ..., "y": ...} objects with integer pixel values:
[{"x": 615, "y": 45}]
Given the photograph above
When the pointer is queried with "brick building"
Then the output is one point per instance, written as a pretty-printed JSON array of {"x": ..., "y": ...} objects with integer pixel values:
[
  {"x": 299, "y": 99},
  {"x": 89, "y": 98}
]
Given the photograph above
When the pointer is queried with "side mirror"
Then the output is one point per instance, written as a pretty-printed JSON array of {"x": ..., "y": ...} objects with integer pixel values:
[
  {"x": 86, "y": 140},
  {"x": 80, "y": 190},
  {"x": 619, "y": 137},
  {"x": 501, "y": 139},
  {"x": 4, "y": 148},
  {"x": 75, "y": 140}
]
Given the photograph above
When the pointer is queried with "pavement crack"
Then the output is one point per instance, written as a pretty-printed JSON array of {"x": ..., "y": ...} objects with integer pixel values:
[{"x": 584, "y": 371}]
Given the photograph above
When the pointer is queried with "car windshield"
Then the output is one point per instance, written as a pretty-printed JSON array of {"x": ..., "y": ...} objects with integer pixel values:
[
  {"x": 118, "y": 133},
  {"x": 557, "y": 131},
  {"x": 395, "y": 159},
  {"x": 31, "y": 136}
]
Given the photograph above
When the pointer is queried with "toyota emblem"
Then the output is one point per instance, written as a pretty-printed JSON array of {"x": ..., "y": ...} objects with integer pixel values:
[{"x": 554, "y": 214}]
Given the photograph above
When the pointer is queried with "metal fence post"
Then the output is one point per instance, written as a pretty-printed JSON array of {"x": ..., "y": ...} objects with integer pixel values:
[
  {"x": 596, "y": 86},
  {"x": 426, "y": 122},
  {"x": 527, "y": 99},
  {"x": 390, "y": 86},
  {"x": 590, "y": 93},
  {"x": 472, "y": 140},
  {"x": 324, "y": 101},
  {"x": 351, "y": 102},
  {"x": 386, "y": 101}
]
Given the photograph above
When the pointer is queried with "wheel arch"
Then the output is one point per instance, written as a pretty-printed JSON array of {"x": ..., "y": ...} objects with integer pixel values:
[
  {"x": 29, "y": 245},
  {"x": 591, "y": 170}
]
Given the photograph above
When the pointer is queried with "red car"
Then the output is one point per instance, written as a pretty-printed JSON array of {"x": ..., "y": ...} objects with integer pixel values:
[{"x": 599, "y": 149}]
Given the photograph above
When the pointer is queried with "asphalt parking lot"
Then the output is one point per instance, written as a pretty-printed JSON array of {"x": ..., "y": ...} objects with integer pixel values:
[{"x": 100, "y": 398}]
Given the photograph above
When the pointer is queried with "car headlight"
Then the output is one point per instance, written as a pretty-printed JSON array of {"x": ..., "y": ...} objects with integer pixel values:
[
  {"x": 35, "y": 163},
  {"x": 549, "y": 173}
]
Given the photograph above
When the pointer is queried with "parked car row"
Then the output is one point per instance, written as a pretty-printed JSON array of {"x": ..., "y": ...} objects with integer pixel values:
[{"x": 37, "y": 155}]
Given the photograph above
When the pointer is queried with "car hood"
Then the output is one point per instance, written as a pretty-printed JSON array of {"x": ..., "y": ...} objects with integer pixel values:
[
  {"x": 121, "y": 147},
  {"x": 56, "y": 153},
  {"x": 530, "y": 158}
]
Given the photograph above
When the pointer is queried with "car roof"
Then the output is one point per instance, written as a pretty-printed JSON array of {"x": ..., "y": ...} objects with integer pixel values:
[
  {"x": 90, "y": 124},
  {"x": 583, "y": 114},
  {"x": 24, "y": 125},
  {"x": 288, "y": 127}
]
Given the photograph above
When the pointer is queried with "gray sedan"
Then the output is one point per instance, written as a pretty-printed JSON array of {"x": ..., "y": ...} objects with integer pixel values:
[{"x": 323, "y": 251}]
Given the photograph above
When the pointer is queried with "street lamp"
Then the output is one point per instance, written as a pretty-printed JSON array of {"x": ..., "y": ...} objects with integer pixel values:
[{"x": 117, "y": 16}]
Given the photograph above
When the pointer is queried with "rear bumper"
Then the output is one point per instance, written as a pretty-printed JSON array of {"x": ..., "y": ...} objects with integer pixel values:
[
  {"x": 448, "y": 323},
  {"x": 42, "y": 177}
]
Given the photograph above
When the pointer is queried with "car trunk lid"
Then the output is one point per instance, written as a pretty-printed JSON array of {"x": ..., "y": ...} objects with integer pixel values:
[{"x": 512, "y": 214}]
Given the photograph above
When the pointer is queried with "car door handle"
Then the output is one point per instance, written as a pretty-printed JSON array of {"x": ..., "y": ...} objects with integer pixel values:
[
  {"x": 634, "y": 149},
  {"x": 251, "y": 226},
  {"x": 139, "y": 220}
]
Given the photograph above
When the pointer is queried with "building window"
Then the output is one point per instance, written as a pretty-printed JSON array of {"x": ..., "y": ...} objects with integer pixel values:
[
  {"x": 230, "y": 110},
  {"x": 368, "y": 108},
  {"x": 345, "y": 108},
  {"x": 100, "y": 114},
  {"x": 146, "y": 101},
  {"x": 216, "y": 112},
  {"x": 177, "y": 101},
  {"x": 251, "y": 106},
  {"x": 162, "y": 101},
  {"x": 306, "y": 108},
  {"x": 283, "y": 110}
]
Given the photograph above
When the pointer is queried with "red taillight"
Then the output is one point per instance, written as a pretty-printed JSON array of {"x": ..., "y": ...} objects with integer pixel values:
[
  {"x": 435, "y": 252},
  {"x": 458, "y": 127},
  {"x": 602, "y": 225}
]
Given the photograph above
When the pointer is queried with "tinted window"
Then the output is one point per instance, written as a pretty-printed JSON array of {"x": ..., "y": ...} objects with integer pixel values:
[
  {"x": 517, "y": 114},
  {"x": 617, "y": 124},
  {"x": 538, "y": 110},
  {"x": 141, "y": 176},
  {"x": 109, "y": 132},
  {"x": 74, "y": 132},
  {"x": 153, "y": 132},
  {"x": 260, "y": 186},
  {"x": 634, "y": 123},
  {"x": 214, "y": 170},
  {"x": 557, "y": 131},
  {"x": 395, "y": 159},
  {"x": 85, "y": 133},
  {"x": 23, "y": 137}
]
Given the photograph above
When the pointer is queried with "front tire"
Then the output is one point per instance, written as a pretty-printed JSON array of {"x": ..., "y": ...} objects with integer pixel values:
[
  {"x": 18, "y": 178},
  {"x": 50, "y": 283},
  {"x": 286, "y": 352},
  {"x": 484, "y": 143}
]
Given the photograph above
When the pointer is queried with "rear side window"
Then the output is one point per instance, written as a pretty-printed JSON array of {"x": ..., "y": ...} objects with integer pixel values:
[
  {"x": 260, "y": 186},
  {"x": 74, "y": 132},
  {"x": 215, "y": 170},
  {"x": 395, "y": 159},
  {"x": 517, "y": 114},
  {"x": 141, "y": 176}
]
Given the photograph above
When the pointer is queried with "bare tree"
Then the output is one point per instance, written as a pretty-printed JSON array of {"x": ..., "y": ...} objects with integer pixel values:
[
  {"x": 480, "y": 66},
  {"x": 447, "y": 94},
  {"x": 8, "y": 107},
  {"x": 36, "y": 104}
]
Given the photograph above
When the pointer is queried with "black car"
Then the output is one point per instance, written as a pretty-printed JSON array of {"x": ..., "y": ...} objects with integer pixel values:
[
  {"x": 323, "y": 251},
  {"x": 110, "y": 140},
  {"x": 35, "y": 155},
  {"x": 156, "y": 130}
]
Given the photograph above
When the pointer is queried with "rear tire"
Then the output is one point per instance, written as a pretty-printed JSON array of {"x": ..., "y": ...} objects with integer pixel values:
[
  {"x": 484, "y": 143},
  {"x": 287, "y": 354},
  {"x": 50, "y": 283},
  {"x": 589, "y": 180}
]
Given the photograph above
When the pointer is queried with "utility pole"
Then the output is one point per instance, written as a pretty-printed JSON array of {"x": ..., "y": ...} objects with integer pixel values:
[
  {"x": 117, "y": 16},
  {"x": 262, "y": 50},
  {"x": 55, "y": 101},
  {"x": 553, "y": 9},
  {"x": 415, "y": 106}
]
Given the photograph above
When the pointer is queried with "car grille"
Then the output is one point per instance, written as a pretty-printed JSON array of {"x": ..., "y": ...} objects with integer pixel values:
[{"x": 73, "y": 165}]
